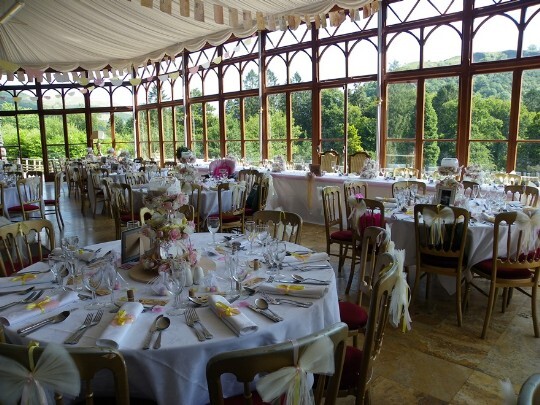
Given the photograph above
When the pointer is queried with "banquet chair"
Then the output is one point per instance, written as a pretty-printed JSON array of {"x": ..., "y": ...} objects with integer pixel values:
[
  {"x": 246, "y": 364},
  {"x": 351, "y": 189},
  {"x": 329, "y": 160},
  {"x": 145, "y": 214},
  {"x": 24, "y": 243},
  {"x": 358, "y": 367},
  {"x": 106, "y": 187},
  {"x": 375, "y": 242},
  {"x": 189, "y": 212},
  {"x": 34, "y": 173},
  {"x": 99, "y": 195},
  {"x": 516, "y": 268},
  {"x": 528, "y": 195},
  {"x": 529, "y": 394},
  {"x": 403, "y": 184},
  {"x": 196, "y": 201},
  {"x": 30, "y": 193},
  {"x": 122, "y": 206},
  {"x": 356, "y": 161},
  {"x": 52, "y": 205},
  {"x": 89, "y": 361},
  {"x": 468, "y": 187},
  {"x": 170, "y": 164},
  {"x": 72, "y": 180},
  {"x": 2, "y": 205},
  {"x": 507, "y": 179},
  {"x": 441, "y": 238},
  {"x": 282, "y": 225},
  {"x": 231, "y": 216},
  {"x": 253, "y": 179},
  {"x": 335, "y": 225}
]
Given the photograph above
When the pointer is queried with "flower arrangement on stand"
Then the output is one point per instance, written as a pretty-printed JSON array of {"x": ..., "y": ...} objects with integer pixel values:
[
  {"x": 278, "y": 165},
  {"x": 370, "y": 170},
  {"x": 474, "y": 173},
  {"x": 185, "y": 155}
]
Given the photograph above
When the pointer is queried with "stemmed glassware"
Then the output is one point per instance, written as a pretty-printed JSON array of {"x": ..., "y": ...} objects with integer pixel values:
[
  {"x": 239, "y": 275},
  {"x": 92, "y": 280},
  {"x": 175, "y": 282},
  {"x": 56, "y": 261},
  {"x": 262, "y": 234},
  {"x": 475, "y": 191},
  {"x": 110, "y": 279},
  {"x": 70, "y": 245},
  {"x": 279, "y": 253},
  {"x": 251, "y": 233},
  {"x": 213, "y": 226}
]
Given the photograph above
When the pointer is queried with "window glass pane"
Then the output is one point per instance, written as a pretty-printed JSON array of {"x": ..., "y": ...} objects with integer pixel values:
[
  {"x": 403, "y": 51},
  {"x": 52, "y": 99},
  {"x": 166, "y": 90},
  {"x": 400, "y": 154},
  {"x": 362, "y": 117},
  {"x": 231, "y": 78},
  {"x": 9, "y": 135},
  {"x": 212, "y": 125},
  {"x": 489, "y": 155},
  {"x": 76, "y": 129},
  {"x": 302, "y": 124},
  {"x": 531, "y": 45},
  {"x": 276, "y": 73},
  {"x": 447, "y": 55},
  {"x": 332, "y": 62},
  {"x": 332, "y": 118},
  {"x": 232, "y": 119},
  {"x": 143, "y": 134},
  {"x": 250, "y": 76},
  {"x": 179, "y": 122},
  {"x": 402, "y": 110},
  {"x": 142, "y": 94},
  {"x": 363, "y": 58},
  {"x": 252, "y": 125},
  {"x": 74, "y": 99},
  {"x": 434, "y": 152},
  {"x": 99, "y": 97},
  {"x": 178, "y": 89},
  {"x": 195, "y": 85},
  {"x": 123, "y": 132},
  {"x": 167, "y": 120},
  {"x": 495, "y": 38},
  {"x": 210, "y": 82},
  {"x": 30, "y": 138},
  {"x": 491, "y": 106},
  {"x": 528, "y": 158},
  {"x": 6, "y": 101},
  {"x": 529, "y": 118},
  {"x": 28, "y": 100},
  {"x": 300, "y": 67},
  {"x": 277, "y": 126}
]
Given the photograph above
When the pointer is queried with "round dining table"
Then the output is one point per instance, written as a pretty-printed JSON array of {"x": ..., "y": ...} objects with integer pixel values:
[{"x": 175, "y": 373}]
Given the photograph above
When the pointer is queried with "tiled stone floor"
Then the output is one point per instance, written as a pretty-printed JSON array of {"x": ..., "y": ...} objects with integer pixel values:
[{"x": 436, "y": 362}]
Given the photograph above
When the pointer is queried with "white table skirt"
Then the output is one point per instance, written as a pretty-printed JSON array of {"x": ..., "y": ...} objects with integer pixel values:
[
  {"x": 176, "y": 372},
  {"x": 11, "y": 199}
]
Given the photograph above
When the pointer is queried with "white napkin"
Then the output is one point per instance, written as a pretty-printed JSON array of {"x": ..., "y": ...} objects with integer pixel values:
[
  {"x": 386, "y": 199},
  {"x": 85, "y": 255},
  {"x": 294, "y": 290},
  {"x": 24, "y": 279},
  {"x": 306, "y": 258},
  {"x": 125, "y": 317},
  {"x": 390, "y": 204},
  {"x": 43, "y": 305},
  {"x": 238, "y": 323}
]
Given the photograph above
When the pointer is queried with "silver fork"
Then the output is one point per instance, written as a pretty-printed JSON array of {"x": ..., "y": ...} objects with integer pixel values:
[
  {"x": 191, "y": 323},
  {"x": 279, "y": 301},
  {"x": 193, "y": 314},
  {"x": 31, "y": 298},
  {"x": 86, "y": 322},
  {"x": 95, "y": 321}
]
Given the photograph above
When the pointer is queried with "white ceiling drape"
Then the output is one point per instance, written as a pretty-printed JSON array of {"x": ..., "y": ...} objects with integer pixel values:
[{"x": 68, "y": 34}]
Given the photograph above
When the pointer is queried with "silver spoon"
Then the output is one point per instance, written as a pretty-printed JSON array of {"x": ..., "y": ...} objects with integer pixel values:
[
  {"x": 162, "y": 324},
  {"x": 301, "y": 279},
  {"x": 261, "y": 303}
]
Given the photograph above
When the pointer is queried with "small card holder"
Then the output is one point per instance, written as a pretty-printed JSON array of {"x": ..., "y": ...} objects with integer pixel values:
[{"x": 130, "y": 245}]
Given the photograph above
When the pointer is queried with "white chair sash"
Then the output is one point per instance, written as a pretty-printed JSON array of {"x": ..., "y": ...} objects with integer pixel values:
[
  {"x": 436, "y": 221},
  {"x": 55, "y": 369},
  {"x": 358, "y": 209},
  {"x": 529, "y": 226},
  {"x": 318, "y": 358},
  {"x": 399, "y": 304},
  {"x": 237, "y": 190}
]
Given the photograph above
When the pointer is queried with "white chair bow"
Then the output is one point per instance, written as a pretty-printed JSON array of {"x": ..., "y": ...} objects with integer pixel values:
[
  {"x": 237, "y": 190},
  {"x": 358, "y": 209},
  {"x": 436, "y": 222},
  {"x": 399, "y": 304},
  {"x": 318, "y": 358},
  {"x": 529, "y": 226},
  {"x": 55, "y": 369}
]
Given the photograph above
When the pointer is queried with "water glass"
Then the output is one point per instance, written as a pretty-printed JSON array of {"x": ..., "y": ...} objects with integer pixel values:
[
  {"x": 262, "y": 234},
  {"x": 251, "y": 234},
  {"x": 92, "y": 280},
  {"x": 279, "y": 252},
  {"x": 175, "y": 282},
  {"x": 213, "y": 226},
  {"x": 133, "y": 224}
]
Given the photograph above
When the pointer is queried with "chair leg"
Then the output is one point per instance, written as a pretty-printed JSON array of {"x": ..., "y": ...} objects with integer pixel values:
[
  {"x": 351, "y": 273},
  {"x": 491, "y": 303},
  {"x": 416, "y": 282},
  {"x": 504, "y": 300},
  {"x": 534, "y": 293},
  {"x": 59, "y": 218},
  {"x": 458, "y": 302}
]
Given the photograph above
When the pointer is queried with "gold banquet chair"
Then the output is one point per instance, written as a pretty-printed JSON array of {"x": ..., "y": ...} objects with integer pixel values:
[
  {"x": 357, "y": 161},
  {"x": 245, "y": 365},
  {"x": 351, "y": 189},
  {"x": 24, "y": 243},
  {"x": 89, "y": 361},
  {"x": 52, "y": 205},
  {"x": 231, "y": 216},
  {"x": 528, "y": 195},
  {"x": 285, "y": 226},
  {"x": 30, "y": 192},
  {"x": 329, "y": 160}
]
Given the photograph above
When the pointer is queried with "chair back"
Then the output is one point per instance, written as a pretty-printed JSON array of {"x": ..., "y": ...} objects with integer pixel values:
[
  {"x": 406, "y": 172},
  {"x": 245, "y": 365},
  {"x": 170, "y": 164},
  {"x": 24, "y": 243},
  {"x": 30, "y": 192},
  {"x": 379, "y": 307},
  {"x": 145, "y": 214},
  {"x": 507, "y": 179},
  {"x": 250, "y": 176},
  {"x": 468, "y": 187},
  {"x": 329, "y": 160},
  {"x": 332, "y": 208},
  {"x": 441, "y": 235},
  {"x": 188, "y": 210},
  {"x": 89, "y": 361},
  {"x": 121, "y": 205},
  {"x": 263, "y": 193},
  {"x": 351, "y": 189},
  {"x": 195, "y": 200},
  {"x": 528, "y": 195},
  {"x": 34, "y": 173},
  {"x": 231, "y": 215},
  {"x": 357, "y": 161},
  {"x": 404, "y": 184},
  {"x": 282, "y": 225},
  {"x": 2, "y": 205}
]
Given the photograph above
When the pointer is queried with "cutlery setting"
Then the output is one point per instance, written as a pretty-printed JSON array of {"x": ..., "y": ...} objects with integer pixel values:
[
  {"x": 35, "y": 326},
  {"x": 192, "y": 319},
  {"x": 151, "y": 332},
  {"x": 90, "y": 321},
  {"x": 34, "y": 295}
]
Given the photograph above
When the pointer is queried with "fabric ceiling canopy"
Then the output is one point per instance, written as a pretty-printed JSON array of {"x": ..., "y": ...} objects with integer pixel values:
[{"x": 68, "y": 34}]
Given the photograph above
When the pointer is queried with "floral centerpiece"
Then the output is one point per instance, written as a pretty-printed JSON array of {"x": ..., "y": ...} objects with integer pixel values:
[
  {"x": 168, "y": 231},
  {"x": 185, "y": 155},
  {"x": 474, "y": 173},
  {"x": 187, "y": 174},
  {"x": 278, "y": 165},
  {"x": 370, "y": 170}
]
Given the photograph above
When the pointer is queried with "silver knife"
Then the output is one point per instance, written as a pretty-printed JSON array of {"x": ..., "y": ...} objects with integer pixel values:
[
  {"x": 151, "y": 332},
  {"x": 268, "y": 315}
]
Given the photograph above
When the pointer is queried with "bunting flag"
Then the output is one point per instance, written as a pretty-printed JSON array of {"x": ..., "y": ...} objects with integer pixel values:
[
  {"x": 247, "y": 19},
  {"x": 218, "y": 14},
  {"x": 233, "y": 17},
  {"x": 199, "y": 11},
  {"x": 184, "y": 8},
  {"x": 261, "y": 23},
  {"x": 147, "y": 3},
  {"x": 165, "y": 6}
]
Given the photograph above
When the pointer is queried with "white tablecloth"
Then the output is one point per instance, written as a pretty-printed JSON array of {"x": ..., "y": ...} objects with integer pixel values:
[
  {"x": 176, "y": 372},
  {"x": 11, "y": 199}
]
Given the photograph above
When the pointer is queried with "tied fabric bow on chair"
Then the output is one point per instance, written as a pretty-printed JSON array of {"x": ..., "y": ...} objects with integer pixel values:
[
  {"x": 399, "y": 303},
  {"x": 318, "y": 358},
  {"x": 436, "y": 221},
  {"x": 358, "y": 210},
  {"x": 54, "y": 369},
  {"x": 237, "y": 190},
  {"x": 529, "y": 227}
]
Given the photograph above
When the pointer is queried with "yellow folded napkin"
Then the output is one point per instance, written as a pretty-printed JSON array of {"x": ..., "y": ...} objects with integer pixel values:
[
  {"x": 295, "y": 290},
  {"x": 116, "y": 330},
  {"x": 43, "y": 305},
  {"x": 232, "y": 317},
  {"x": 297, "y": 258},
  {"x": 21, "y": 278}
]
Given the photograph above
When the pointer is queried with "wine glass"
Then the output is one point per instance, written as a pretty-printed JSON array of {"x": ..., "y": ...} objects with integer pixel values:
[
  {"x": 213, "y": 226},
  {"x": 280, "y": 251},
  {"x": 262, "y": 234},
  {"x": 110, "y": 279},
  {"x": 174, "y": 282},
  {"x": 92, "y": 279},
  {"x": 239, "y": 275},
  {"x": 55, "y": 262},
  {"x": 251, "y": 233},
  {"x": 475, "y": 191}
]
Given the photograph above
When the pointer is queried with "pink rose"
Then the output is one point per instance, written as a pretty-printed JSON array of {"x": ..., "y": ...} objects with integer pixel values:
[{"x": 175, "y": 234}]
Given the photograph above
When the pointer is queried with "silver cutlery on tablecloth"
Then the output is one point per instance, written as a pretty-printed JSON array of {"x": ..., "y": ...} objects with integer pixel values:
[
  {"x": 78, "y": 334},
  {"x": 151, "y": 332},
  {"x": 34, "y": 295},
  {"x": 35, "y": 326}
]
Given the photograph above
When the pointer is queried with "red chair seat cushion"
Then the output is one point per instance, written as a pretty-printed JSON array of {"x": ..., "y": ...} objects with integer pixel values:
[
  {"x": 502, "y": 272},
  {"x": 351, "y": 368},
  {"x": 49, "y": 202},
  {"x": 345, "y": 236},
  {"x": 353, "y": 315},
  {"x": 249, "y": 211},
  {"x": 27, "y": 207},
  {"x": 127, "y": 217},
  {"x": 369, "y": 220}
]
